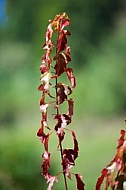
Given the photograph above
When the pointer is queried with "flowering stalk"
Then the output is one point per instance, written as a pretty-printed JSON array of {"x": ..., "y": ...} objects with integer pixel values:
[
  {"x": 114, "y": 174},
  {"x": 51, "y": 68}
]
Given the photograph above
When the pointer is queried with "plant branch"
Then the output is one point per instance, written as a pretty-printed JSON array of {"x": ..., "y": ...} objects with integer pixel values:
[
  {"x": 61, "y": 152},
  {"x": 60, "y": 144},
  {"x": 62, "y": 91}
]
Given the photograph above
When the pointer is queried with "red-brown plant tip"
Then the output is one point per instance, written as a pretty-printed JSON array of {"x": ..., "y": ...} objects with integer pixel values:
[
  {"x": 65, "y": 21},
  {"x": 54, "y": 65},
  {"x": 60, "y": 21}
]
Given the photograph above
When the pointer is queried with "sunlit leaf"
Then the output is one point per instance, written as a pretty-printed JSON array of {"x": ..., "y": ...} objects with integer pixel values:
[
  {"x": 45, "y": 78},
  {"x": 111, "y": 168},
  {"x": 49, "y": 33},
  {"x": 64, "y": 21},
  {"x": 69, "y": 72},
  {"x": 51, "y": 181},
  {"x": 46, "y": 58},
  {"x": 43, "y": 108}
]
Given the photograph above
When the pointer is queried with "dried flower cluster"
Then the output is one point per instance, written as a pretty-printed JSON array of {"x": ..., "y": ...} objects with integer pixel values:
[{"x": 54, "y": 63}]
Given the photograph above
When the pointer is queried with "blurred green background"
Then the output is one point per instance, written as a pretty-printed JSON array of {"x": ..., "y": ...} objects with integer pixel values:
[{"x": 98, "y": 45}]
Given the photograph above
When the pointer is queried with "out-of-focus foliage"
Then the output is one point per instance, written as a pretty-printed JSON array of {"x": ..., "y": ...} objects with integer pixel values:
[
  {"x": 28, "y": 18},
  {"x": 20, "y": 159},
  {"x": 93, "y": 20},
  {"x": 102, "y": 83}
]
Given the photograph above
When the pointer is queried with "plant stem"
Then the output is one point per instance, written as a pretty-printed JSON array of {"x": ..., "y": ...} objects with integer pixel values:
[
  {"x": 60, "y": 144},
  {"x": 64, "y": 175},
  {"x": 65, "y": 181}
]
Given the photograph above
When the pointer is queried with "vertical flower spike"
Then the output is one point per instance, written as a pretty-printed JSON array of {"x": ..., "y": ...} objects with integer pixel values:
[{"x": 54, "y": 63}]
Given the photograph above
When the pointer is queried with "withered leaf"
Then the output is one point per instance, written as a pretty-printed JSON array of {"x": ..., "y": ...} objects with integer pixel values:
[
  {"x": 60, "y": 64},
  {"x": 70, "y": 108},
  {"x": 69, "y": 72},
  {"x": 80, "y": 184},
  {"x": 43, "y": 137},
  {"x": 62, "y": 41},
  {"x": 46, "y": 165}
]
